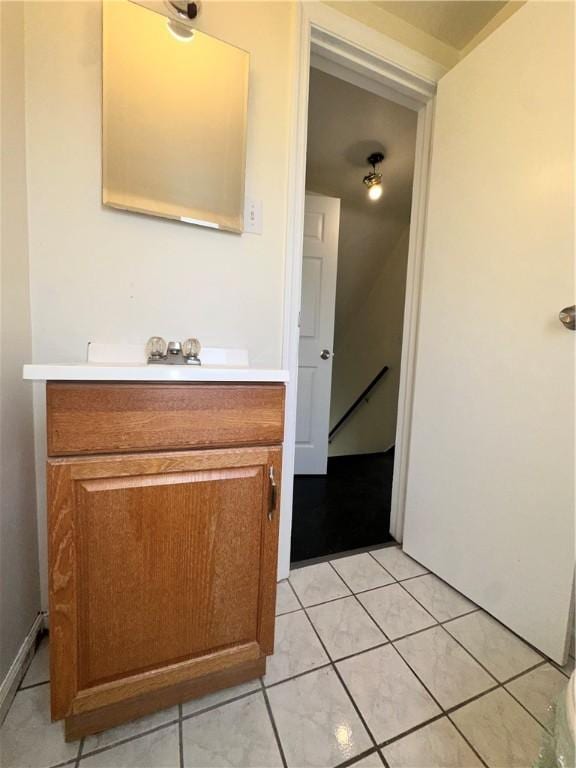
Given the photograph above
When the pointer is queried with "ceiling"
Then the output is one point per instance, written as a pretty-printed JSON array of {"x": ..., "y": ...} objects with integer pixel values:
[
  {"x": 454, "y": 22},
  {"x": 346, "y": 124}
]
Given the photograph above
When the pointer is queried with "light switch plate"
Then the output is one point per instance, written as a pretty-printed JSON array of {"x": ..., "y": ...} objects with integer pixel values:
[{"x": 253, "y": 216}]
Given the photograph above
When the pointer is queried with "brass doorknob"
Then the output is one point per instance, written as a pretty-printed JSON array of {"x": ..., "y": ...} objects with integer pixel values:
[
  {"x": 325, "y": 354},
  {"x": 568, "y": 317}
]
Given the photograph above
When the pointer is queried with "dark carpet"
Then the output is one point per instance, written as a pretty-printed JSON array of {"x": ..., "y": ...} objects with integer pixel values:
[{"x": 349, "y": 508}]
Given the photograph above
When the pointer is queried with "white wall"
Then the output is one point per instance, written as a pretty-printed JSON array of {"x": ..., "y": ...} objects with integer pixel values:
[
  {"x": 20, "y": 593},
  {"x": 372, "y": 339},
  {"x": 111, "y": 276}
]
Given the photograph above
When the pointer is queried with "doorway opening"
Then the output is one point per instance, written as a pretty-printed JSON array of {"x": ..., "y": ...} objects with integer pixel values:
[{"x": 354, "y": 267}]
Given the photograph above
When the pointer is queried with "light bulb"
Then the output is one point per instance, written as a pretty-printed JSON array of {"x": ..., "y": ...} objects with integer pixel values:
[
  {"x": 180, "y": 31},
  {"x": 375, "y": 192}
]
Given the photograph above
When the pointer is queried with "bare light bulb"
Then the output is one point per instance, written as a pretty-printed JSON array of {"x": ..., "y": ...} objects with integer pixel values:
[
  {"x": 180, "y": 31},
  {"x": 375, "y": 192}
]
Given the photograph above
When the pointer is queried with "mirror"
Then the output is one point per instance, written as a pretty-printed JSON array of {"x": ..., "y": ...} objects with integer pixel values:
[{"x": 174, "y": 119}]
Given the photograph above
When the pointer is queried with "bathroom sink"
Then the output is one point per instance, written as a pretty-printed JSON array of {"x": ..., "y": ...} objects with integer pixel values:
[{"x": 127, "y": 362}]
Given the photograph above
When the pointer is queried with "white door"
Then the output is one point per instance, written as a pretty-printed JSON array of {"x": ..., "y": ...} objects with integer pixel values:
[
  {"x": 490, "y": 496},
  {"x": 320, "y": 261}
]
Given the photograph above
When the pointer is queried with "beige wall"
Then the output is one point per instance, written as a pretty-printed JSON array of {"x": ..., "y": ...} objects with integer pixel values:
[
  {"x": 104, "y": 275},
  {"x": 372, "y": 339},
  {"x": 370, "y": 14},
  {"x": 378, "y": 17},
  {"x": 111, "y": 276},
  {"x": 19, "y": 595}
]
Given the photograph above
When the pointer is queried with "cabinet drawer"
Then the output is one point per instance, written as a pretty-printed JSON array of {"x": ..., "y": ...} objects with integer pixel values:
[{"x": 91, "y": 418}]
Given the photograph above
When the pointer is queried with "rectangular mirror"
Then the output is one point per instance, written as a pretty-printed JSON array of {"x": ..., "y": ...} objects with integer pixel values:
[{"x": 174, "y": 119}]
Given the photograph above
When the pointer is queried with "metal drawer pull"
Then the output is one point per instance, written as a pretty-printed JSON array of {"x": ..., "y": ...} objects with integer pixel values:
[{"x": 273, "y": 493}]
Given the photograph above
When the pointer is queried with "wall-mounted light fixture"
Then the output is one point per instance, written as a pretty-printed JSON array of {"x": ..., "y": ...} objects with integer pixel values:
[
  {"x": 185, "y": 11},
  {"x": 373, "y": 180}
]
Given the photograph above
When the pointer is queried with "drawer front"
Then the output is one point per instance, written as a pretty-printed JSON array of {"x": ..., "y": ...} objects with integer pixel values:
[{"x": 92, "y": 418}]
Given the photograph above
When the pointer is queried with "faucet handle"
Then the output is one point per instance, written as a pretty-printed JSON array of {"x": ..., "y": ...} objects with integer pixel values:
[
  {"x": 156, "y": 348},
  {"x": 191, "y": 350}
]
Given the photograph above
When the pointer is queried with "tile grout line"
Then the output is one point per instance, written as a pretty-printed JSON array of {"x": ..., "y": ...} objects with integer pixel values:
[
  {"x": 263, "y": 689},
  {"x": 469, "y": 653},
  {"x": 33, "y": 685},
  {"x": 385, "y": 572},
  {"x": 332, "y": 663},
  {"x": 71, "y": 763},
  {"x": 467, "y": 740},
  {"x": 339, "y": 676},
  {"x": 516, "y": 699},
  {"x": 524, "y": 672},
  {"x": 385, "y": 762},
  {"x": 363, "y": 607},
  {"x": 462, "y": 704},
  {"x": 135, "y": 736},
  {"x": 560, "y": 669},
  {"x": 498, "y": 685},
  {"x": 352, "y": 761},
  {"x": 180, "y": 737},
  {"x": 467, "y": 613},
  {"x": 488, "y": 672},
  {"x": 443, "y": 712},
  {"x": 212, "y": 707},
  {"x": 79, "y": 753},
  {"x": 298, "y": 674},
  {"x": 416, "y": 576},
  {"x": 274, "y": 727}
]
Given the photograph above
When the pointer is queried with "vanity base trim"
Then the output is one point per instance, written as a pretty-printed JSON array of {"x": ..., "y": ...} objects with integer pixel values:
[{"x": 88, "y": 723}]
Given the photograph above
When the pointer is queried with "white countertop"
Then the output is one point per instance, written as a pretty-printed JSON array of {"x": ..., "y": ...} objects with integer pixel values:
[{"x": 143, "y": 372}]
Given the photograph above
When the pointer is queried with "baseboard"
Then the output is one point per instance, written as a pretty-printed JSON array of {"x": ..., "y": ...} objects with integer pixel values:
[{"x": 19, "y": 666}]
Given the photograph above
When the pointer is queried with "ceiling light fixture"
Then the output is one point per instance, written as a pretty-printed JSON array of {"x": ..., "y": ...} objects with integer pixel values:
[
  {"x": 185, "y": 11},
  {"x": 373, "y": 180},
  {"x": 179, "y": 31}
]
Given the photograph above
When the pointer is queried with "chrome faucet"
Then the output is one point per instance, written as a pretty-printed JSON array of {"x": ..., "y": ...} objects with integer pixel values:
[{"x": 173, "y": 353}]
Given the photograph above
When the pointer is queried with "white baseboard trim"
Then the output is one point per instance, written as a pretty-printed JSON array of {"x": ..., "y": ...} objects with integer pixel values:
[{"x": 18, "y": 668}]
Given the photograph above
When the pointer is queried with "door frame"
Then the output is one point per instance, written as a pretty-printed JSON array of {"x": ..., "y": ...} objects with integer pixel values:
[{"x": 339, "y": 45}]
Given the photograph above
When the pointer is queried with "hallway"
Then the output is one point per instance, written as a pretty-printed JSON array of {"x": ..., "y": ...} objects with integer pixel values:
[{"x": 346, "y": 509}]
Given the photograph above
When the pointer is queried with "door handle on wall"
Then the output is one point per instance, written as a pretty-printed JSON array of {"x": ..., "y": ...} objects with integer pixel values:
[
  {"x": 568, "y": 317},
  {"x": 325, "y": 354}
]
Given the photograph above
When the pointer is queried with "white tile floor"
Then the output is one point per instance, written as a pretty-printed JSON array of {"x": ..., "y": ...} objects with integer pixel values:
[{"x": 377, "y": 663}]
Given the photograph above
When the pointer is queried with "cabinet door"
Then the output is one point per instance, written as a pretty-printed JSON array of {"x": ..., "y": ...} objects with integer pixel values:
[{"x": 162, "y": 568}]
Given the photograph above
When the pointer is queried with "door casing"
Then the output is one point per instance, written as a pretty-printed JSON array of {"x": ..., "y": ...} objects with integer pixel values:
[{"x": 367, "y": 58}]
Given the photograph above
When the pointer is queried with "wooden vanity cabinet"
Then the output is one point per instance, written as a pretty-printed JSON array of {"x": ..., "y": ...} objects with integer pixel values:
[{"x": 162, "y": 563}]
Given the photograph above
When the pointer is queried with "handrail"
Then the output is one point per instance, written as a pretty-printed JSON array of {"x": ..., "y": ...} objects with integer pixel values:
[{"x": 357, "y": 402}]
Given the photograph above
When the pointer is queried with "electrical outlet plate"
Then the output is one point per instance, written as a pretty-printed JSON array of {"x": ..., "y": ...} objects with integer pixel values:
[{"x": 253, "y": 216}]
